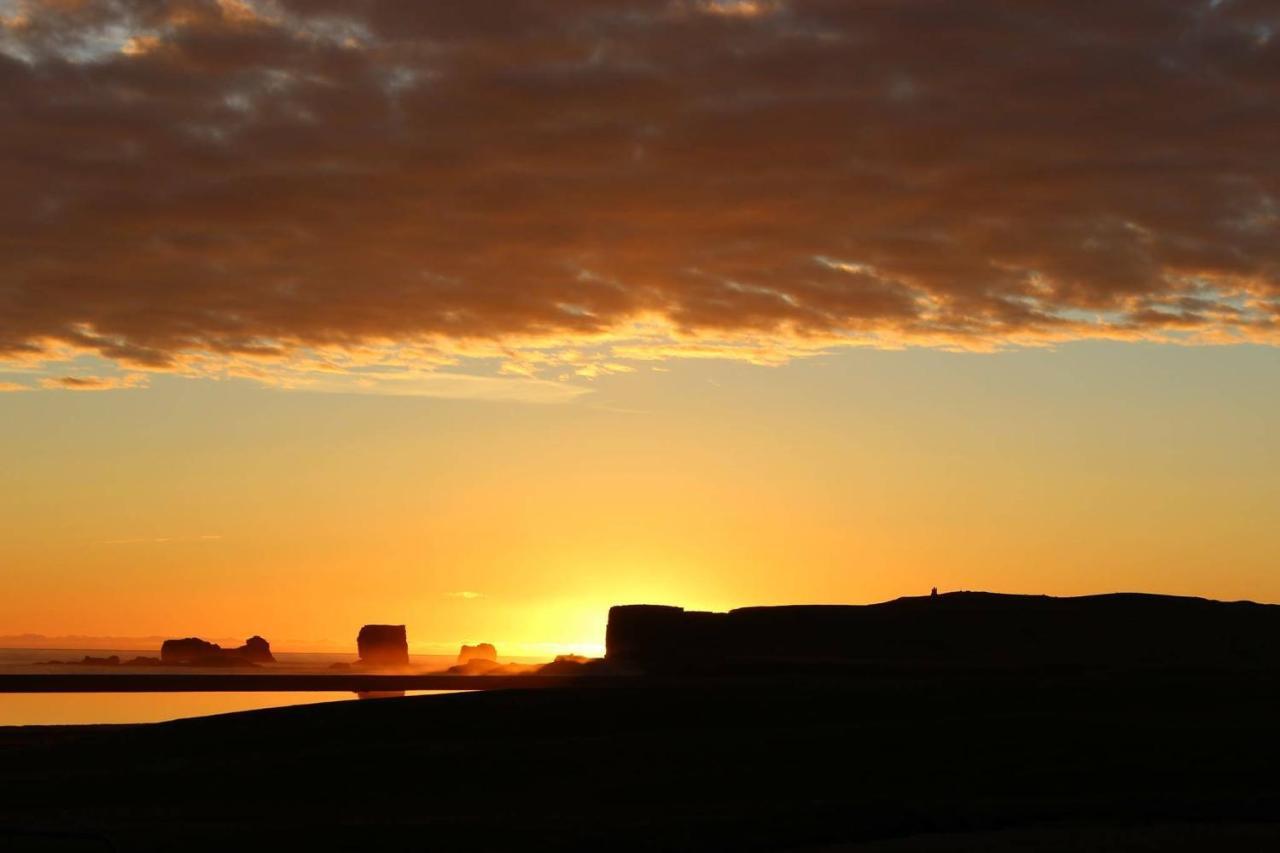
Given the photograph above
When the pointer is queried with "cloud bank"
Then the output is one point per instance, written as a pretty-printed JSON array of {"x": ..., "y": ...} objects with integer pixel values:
[{"x": 564, "y": 186}]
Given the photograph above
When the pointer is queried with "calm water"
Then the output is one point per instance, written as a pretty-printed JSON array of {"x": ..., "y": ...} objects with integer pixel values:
[
  {"x": 59, "y": 709},
  {"x": 29, "y": 709},
  {"x": 30, "y": 660}
]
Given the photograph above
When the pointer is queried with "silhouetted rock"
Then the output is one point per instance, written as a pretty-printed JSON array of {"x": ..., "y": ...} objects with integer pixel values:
[
  {"x": 573, "y": 665},
  {"x": 113, "y": 660},
  {"x": 562, "y": 665},
  {"x": 481, "y": 651},
  {"x": 188, "y": 650},
  {"x": 952, "y": 629},
  {"x": 648, "y": 633},
  {"x": 255, "y": 650},
  {"x": 227, "y": 658},
  {"x": 192, "y": 651},
  {"x": 476, "y": 666},
  {"x": 383, "y": 645}
]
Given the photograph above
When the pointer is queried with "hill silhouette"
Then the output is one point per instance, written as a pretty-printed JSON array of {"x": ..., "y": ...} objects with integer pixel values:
[
  {"x": 969, "y": 721},
  {"x": 958, "y": 628},
  {"x": 1144, "y": 759}
]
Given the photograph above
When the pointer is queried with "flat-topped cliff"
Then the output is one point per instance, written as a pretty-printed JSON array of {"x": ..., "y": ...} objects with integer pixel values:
[
  {"x": 383, "y": 645},
  {"x": 959, "y": 628}
]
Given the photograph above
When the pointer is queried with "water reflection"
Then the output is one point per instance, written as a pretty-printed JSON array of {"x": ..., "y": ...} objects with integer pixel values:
[{"x": 53, "y": 709}]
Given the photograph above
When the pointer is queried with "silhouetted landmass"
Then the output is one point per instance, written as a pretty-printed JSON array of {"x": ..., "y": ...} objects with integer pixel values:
[
  {"x": 1099, "y": 724},
  {"x": 577, "y": 665},
  {"x": 383, "y": 645},
  {"x": 113, "y": 660},
  {"x": 477, "y": 666},
  {"x": 570, "y": 665},
  {"x": 959, "y": 628},
  {"x": 480, "y": 651},
  {"x": 1093, "y": 762},
  {"x": 193, "y": 651},
  {"x": 188, "y": 650},
  {"x": 256, "y": 650}
]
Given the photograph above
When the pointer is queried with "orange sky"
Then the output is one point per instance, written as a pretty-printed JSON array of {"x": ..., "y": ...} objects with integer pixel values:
[{"x": 855, "y": 478}]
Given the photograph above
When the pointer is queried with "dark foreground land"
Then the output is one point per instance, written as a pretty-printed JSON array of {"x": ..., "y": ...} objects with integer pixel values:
[{"x": 884, "y": 760}]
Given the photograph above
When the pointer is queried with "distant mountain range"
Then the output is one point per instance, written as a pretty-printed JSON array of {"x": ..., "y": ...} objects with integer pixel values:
[{"x": 86, "y": 641}]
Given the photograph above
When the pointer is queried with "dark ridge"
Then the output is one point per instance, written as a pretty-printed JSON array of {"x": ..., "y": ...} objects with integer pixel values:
[
  {"x": 1105, "y": 763},
  {"x": 959, "y": 628}
]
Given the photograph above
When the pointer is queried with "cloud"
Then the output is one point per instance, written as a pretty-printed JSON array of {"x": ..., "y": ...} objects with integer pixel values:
[
  {"x": 223, "y": 187},
  {"x": 95, "y": 383},
  {"x": 12, "y": 387}
]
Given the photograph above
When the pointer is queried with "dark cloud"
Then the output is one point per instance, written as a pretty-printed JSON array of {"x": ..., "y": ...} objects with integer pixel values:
[{"x": 241, "y": 180}]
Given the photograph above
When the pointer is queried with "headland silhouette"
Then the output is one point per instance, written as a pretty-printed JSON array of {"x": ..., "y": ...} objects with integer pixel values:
[
  {"x": 961, "y": 721},
  {"x": 951, "y": 629}
]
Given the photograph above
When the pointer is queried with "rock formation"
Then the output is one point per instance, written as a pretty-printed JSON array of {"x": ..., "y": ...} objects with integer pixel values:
[
  {"x": 481, "y": 651},
  {"x": 383, "y": 645},
  {"x": 193, "y": 651},
  {"x": 255, "y": 650},
  {"x": 478, "y": 666},
  {"x": 114, "y": 660},
  {"x": 189, "y": 650},
  {"x": 573, "y": 665}
]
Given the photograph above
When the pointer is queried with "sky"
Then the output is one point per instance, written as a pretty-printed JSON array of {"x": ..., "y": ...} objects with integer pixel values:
[{"x": 483, "y": 317}]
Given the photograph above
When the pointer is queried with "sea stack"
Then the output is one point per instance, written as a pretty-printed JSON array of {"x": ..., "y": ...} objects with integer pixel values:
[
  {"x": 193, "y": 651},
  {"x": 255, "y": 650},
  {"x": 383, "y": 645},
  {"x": 189, "y": 650},
  {"x": 480, "y": 651}
]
